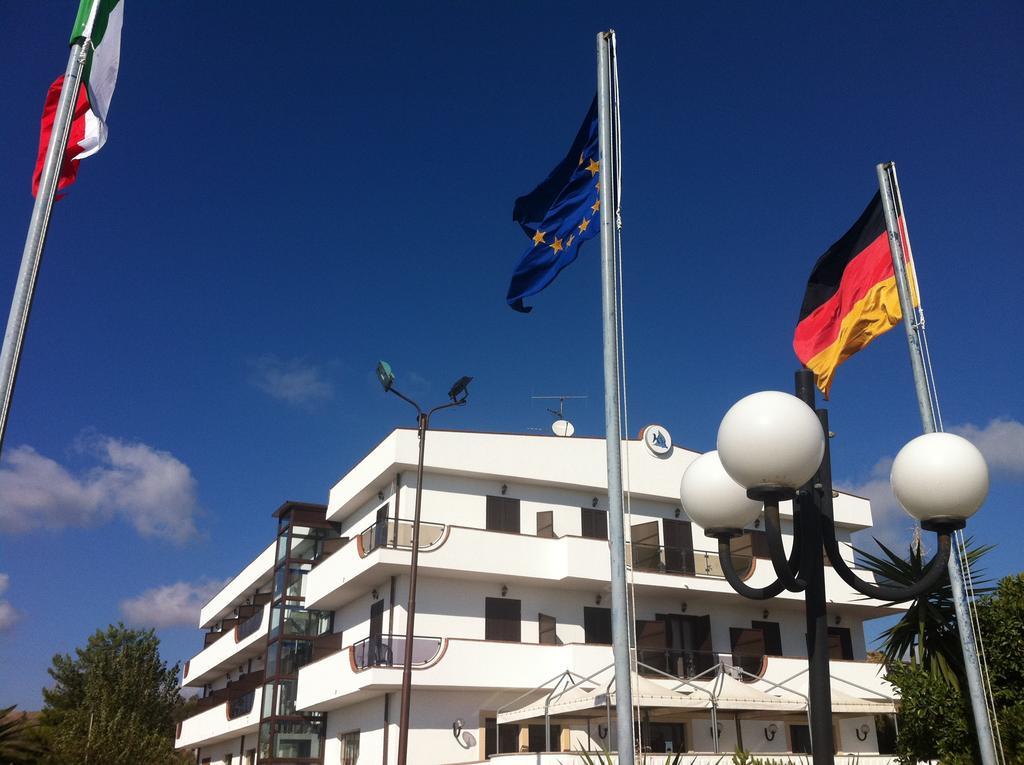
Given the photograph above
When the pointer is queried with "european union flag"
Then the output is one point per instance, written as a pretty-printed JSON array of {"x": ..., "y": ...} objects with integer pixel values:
[{"x": 559, "y": 215}]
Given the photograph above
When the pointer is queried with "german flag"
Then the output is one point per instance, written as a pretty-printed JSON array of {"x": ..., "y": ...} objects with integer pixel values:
[{"x": 851, "y": 297}]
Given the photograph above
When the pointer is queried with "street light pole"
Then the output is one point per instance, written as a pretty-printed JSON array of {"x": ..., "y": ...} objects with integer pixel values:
[
  {"x": 458, "y": 395},
  {"x": 774, "y": 447}
]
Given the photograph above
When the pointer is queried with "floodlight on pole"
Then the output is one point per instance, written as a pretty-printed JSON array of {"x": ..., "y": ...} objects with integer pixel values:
[
  {"x": 385, "y": 375},
  {"x": 458, "y": 394}
]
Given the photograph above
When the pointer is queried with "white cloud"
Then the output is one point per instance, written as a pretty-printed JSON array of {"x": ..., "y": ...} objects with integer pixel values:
[
  {"x": 150, "y": 489},
  {"x": 172, "y": 605},
  {"x": 8, "y": 615},
  {"x": 891, "y": 525},
  {"x": 1002, "y": 443},
  {"x": 293, "y": 381}
]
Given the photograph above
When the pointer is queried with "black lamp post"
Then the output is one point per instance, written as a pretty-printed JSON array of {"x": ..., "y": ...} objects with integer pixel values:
[
  {"x": 773, "y": 447},
  {"x": 457, "y": 397}
]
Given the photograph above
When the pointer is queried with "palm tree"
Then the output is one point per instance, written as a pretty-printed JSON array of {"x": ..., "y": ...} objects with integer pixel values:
[
  {"x": 927, "y": 633},
  {"x": 17, "y": 743}
]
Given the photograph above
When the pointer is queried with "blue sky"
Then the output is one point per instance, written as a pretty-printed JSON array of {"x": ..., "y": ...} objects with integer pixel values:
[{"x": 287, "y": 196}]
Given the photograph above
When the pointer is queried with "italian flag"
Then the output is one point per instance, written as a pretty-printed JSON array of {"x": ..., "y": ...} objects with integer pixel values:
[{"x": 98, "y": 26}]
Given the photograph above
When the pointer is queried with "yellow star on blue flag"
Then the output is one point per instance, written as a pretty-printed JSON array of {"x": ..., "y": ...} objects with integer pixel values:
[{"x": 557, "y": 215}]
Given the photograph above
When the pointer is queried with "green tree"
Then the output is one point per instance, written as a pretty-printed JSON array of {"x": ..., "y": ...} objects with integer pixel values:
[
  {"x": 935, "y": 720},
  {"x": 927, "y": 633},
  {"x": 18, "y": 744},
  {"x": 114, "y": 702},
  {"x": 1002, "y": 628}
]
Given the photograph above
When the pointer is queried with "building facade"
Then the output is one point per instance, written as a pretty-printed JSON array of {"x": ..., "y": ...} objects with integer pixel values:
[{"x": 302, "y": 659}]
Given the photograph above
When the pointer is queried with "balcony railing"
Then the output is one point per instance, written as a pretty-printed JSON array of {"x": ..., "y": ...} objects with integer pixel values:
[
  {"x": 250, "y": 625},
  {"x": 389, "y": 651},
  {"x": 235, "y": 691},
  {"x": 679, "y": 560},
  {"x": 242, "y": 705},
  {"x": 387, "y": 534},
  {"x": 687, "y": 663}
]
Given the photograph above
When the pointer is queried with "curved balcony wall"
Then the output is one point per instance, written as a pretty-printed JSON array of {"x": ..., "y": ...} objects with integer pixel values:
[
  {"x": 241, "y": 642},
  {"x": 354, "y": 673},
  {"x": 227, "y": 720},
  {"x": 569, "y": 561}
]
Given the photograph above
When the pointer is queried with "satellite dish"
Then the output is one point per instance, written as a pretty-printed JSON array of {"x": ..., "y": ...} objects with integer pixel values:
[{"x": 562, "y": 428}]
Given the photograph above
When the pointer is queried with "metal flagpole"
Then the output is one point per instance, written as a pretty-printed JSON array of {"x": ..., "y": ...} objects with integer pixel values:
[
  {"x": 21, "y": 304},
  {"x": 982, "y": 723},
  {"x": 607, "y": 106}
]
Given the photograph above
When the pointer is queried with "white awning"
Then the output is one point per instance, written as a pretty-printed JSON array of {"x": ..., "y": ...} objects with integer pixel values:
[{"x": 585, "y": 699}]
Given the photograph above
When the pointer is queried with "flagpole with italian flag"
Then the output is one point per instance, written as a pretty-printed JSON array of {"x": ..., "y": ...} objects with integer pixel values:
[{"x": 75, "y": 113}]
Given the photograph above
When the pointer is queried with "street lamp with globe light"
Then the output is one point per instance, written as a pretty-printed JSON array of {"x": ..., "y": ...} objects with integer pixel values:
[{"x": 773, "y": 447}]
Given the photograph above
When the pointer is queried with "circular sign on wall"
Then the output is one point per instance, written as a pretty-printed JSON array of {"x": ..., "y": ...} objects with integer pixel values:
[{"x": 657, "y": 439}]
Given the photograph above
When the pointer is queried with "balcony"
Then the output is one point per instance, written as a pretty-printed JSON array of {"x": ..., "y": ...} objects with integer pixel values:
[
  {"x": 242, "y": 641},
  {"x": 228, "y": 719},
  {"x": 389, "y": 651},
  {"x": 858, "y": 679},
  {"x": 370, "y": 668},
  {"x": 235, "y": 591},
  {"x": 569, "y": 561}
]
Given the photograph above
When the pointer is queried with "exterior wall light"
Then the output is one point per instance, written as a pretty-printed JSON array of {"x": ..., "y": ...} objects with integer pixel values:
[
  {"x": 772, "y": 447},
  {"x": 457, "y": 728},
  {"x": 771, "y": 731}
]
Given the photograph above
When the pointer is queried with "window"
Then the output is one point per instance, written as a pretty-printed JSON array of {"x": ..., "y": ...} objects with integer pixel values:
[
  {"x": 546, "y": 627},
  {"x": 665, "y": 737},
  {"x": 503, "y": 619},
  {"x": 885, "y": 729},
  {"x": 546, "y": 524},
  {"x": 750, "y": 543},
  {"x": 772, "y": 637},
  {"x": 651, "y": 645},
  {"x": 597, "y": 625},
  {"x": 839, "y": 644},
  {"x": 800, "y": 735},
  {"x": 594, "y": 523},
  {"x": 537, "y": 739},
  {"x": 503, "y": 514},
  {"x": 503, "y": 740},
  {"x": 748, "y": 648},
  {"x": 350, "y": 748}
]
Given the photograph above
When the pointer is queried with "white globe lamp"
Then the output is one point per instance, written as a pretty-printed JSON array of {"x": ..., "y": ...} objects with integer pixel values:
[
  {"x": 771, "y": 443},
  {"x": 941, "y": 479},
  {"x": 713, "y": 500}
]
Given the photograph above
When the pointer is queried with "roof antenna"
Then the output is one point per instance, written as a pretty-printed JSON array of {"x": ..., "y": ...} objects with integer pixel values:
[{"x": 560, "y": 427}]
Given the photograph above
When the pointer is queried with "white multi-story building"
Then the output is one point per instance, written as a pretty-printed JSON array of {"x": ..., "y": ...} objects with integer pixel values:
[{"x": 303, "y": 658}]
